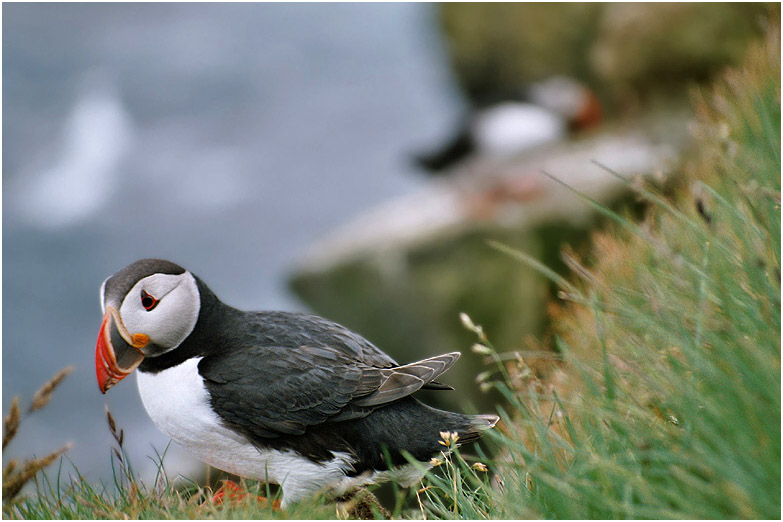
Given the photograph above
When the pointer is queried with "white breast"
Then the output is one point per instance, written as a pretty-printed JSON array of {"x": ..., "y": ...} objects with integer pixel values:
[
  {"x": 510, "y": 128},
  {"x": 178, "y": 403}
]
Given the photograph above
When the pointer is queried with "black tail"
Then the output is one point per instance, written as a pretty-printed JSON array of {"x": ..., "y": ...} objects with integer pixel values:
[{"x": 406, "y": 425}]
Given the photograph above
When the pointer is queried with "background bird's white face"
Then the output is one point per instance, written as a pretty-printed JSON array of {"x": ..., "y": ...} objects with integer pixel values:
[
  {"x": 560, "y": 95},
  {"x": 164, "y": 307}
]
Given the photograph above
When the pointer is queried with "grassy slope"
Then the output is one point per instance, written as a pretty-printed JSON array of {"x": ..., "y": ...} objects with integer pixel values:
[{"x": 668, "y": 405}]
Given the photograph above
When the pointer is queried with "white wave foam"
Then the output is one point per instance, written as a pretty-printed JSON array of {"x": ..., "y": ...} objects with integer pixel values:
[{"x": 95, "y": 137}]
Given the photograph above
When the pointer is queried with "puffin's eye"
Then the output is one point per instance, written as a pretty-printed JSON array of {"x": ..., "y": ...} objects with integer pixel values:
[{"x": 147, "y": 301}]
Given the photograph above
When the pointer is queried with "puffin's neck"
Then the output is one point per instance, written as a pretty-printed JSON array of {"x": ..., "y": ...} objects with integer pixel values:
[{"x": 204, "y": 338}]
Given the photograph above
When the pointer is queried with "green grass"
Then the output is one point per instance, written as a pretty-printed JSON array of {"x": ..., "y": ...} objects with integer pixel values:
[
  {"x": 672, "y": 339},
  {"x": 666, "y": 401},
  {"x": 128, "y": 497}
]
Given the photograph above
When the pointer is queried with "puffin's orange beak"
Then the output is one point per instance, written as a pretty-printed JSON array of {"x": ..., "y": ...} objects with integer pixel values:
[{"x": 115, "y": 358}]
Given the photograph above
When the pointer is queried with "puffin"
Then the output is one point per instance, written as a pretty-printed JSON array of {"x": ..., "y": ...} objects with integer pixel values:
[
  {"x": 286, "y": 398},
  {"x": 506, "y": 125}
]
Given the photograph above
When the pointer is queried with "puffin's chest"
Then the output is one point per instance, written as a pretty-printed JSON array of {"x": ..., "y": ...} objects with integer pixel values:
[{"x": 178, "y": 403}]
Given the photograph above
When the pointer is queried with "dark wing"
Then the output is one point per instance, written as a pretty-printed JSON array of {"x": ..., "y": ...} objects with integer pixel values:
[
  {"x": 297, "y": 329},
  {"x": 272, "y": 391},
  {"x": 341, "y": 338}
]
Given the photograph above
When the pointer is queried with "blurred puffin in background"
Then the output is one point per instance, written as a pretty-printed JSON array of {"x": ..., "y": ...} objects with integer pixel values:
[{"x": 547, "y": 112}]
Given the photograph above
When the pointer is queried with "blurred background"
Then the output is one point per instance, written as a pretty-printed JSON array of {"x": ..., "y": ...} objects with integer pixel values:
[{"x": 351, "y": 160}]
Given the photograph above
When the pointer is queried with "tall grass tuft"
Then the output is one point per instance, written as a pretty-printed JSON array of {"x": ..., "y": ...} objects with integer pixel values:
[
  {"x": 667, "y": 404},
  {"x": 15, "y": 477}
]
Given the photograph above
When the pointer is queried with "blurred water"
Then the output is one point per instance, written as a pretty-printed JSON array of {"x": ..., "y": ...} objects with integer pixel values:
[{"x": 223, "y": 137}]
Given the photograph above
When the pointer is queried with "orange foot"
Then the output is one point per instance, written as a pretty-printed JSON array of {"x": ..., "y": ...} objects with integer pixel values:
[{"x": 231, "y": 491}]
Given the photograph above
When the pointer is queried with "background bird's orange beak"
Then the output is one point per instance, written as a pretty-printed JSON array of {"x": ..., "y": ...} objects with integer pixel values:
[{"x": 115, "y": 358}]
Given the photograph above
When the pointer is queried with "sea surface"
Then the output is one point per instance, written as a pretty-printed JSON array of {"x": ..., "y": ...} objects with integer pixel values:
[{"x": 224, "y": 137}]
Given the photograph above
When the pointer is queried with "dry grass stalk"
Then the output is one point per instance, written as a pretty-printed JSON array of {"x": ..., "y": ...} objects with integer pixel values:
[
  {"x": 162, "y": 484},
  {"x": 9, "y": 468},
  {"x": 44, "y": 394},
  {"x": 14, "y": 483},
  {"x": 13, "y": 479},
  {"x": 570, "y": 259},
  {"x": 118, "y": 436},
  {"x": 11, "y": 423}
]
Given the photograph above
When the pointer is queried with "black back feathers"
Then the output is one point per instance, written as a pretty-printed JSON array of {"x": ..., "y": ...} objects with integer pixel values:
[{"x": 270, "y": 391}]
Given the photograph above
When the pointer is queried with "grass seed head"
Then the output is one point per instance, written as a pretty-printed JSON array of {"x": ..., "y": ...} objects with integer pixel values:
[
  {"x": 480, "y": 466},
  {"x": 481, "y": 349},
  {"x": 119, "y": 436},
  {"x": 11, "y": 422},
  {"x": 466, "y": 322},
  {"x": 14, "y": 483},
  {"x": 44, "y": 394},
  {"x": 448, "y": 438},
  {"x": 484, "y": 376},
  {"x": 9, "y": 468}
]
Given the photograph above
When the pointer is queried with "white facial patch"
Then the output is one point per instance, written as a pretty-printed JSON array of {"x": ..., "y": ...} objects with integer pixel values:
[
  {"x": 560, "y": 95},
  {"x": 172, "y": 319},
  {"x": 103, "y": 296}
]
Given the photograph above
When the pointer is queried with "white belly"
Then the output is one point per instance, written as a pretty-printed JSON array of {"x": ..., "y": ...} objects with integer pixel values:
[{"x": 178, "y": 403}]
